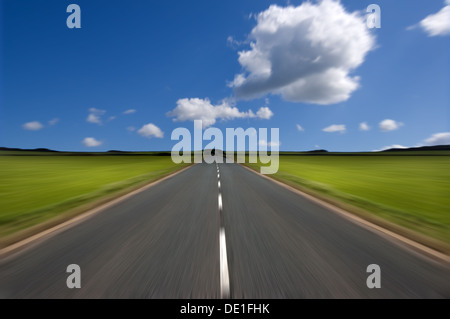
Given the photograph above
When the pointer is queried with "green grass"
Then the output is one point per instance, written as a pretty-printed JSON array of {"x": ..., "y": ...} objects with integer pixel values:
[
  {"x": 411, "y": 191},
  {"x": 35, "y": 189}
]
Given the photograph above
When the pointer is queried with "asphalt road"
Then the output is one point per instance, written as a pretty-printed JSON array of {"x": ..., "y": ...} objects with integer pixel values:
[{"x": 165, "y": 242}]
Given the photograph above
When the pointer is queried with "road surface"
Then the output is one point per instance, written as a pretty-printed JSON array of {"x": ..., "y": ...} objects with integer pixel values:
[{"x": 189, "y": 237}]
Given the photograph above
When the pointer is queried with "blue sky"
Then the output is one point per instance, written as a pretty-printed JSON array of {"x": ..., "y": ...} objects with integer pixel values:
[{"x": 167, "y": 63}]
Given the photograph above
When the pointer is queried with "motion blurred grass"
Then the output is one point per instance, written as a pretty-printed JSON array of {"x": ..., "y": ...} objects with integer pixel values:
[
  {"x": 35, "y": 189},
  {"x": 411, "y": 191}
]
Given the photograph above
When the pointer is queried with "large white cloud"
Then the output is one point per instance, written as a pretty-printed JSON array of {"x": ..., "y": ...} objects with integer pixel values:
[
  {"x": 91, "y": 142},
  {"x": 202, "y": 109},
  {"x": 335, "y": 128},
  {"x": 438, "y": 139},
  {"x": 151, "y": 130},
  {"x": 305, "y": 53},
  {"x": 389, "y": 125},
  {"x": 33, "y": 126},
  {"x": 437, "y": 23}
]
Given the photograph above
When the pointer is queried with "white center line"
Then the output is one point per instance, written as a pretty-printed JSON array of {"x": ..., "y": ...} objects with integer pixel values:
[
  {"x": 224, "y": 276},
  {"x": 218, "y": 184},
  {"x": 220, "y": 202}
]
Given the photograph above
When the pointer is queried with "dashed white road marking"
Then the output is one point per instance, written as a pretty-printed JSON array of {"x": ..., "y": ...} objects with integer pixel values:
[
  {"x": 224, "y": 275},
  {"x": 220, "y": 202}
]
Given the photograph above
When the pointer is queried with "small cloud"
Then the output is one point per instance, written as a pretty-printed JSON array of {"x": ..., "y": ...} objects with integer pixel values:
[
  {"x": 32, "y": 126},
  {"x": 264, "y": 113},
  {"x": 95, "y": 116},
  {"x": 91, "y": 142},
  {"x": 111, "y": 118},
  {"x": 437, "y": 24},
  {"x": 53, "y": 121},
  {"x": 300, "y": 128},
  {"x": 131, "y": 128},
  {"x": 364, "y": 126},
  {"x": 233, "y": 43},
  {"x": 130, "y": 111},
  {"x": 438, "y": 139},
  {"x": 388, "y": 125},
  {"x": 92, "y": 118},
  {"x": 151, "y": 130},
  {"x": 335, "y": 128},
  {"x": 96, "y": 111}
]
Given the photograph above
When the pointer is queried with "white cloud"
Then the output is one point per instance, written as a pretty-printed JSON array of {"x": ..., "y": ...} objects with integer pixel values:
[
  {"x": 335, "y": 128},
  {"x": 130, "y": 111},
  {"x": 95, "y": 115},
  {"x": 233, "y": 43},
  {"x": 111, "y": 118},
  {"x": 202, "y": 109},
  {"x": 131, "y": 128},
  {"x": 389, "y": 125},
  {"x": 363, "y": 126},
  {"x": 437, "y": 23},
  {"x": 438, "y": 139},
  {"x": 33, "y": 126},
  {"x": 53, "y": 121},
  {"x": 264, "y": 113},
  {"x": 151, "y": 130},
  {"x": 300, "y": 128},
  {"x": 92, "y": 118},
  {"x": 91, "y": 142},
  {"x": 305, "y": 53}
]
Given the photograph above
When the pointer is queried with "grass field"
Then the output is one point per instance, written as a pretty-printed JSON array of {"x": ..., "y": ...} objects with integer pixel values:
[
  {"x": 411, "y": 191},
  {"x": 34, "y": 189}
]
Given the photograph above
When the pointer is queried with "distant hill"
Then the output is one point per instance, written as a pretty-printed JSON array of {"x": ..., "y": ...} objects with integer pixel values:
[
  {"x": 28, "y": 150},
  {"x": 422, "y": 148},
  {"x": 317, "y": 151}
]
